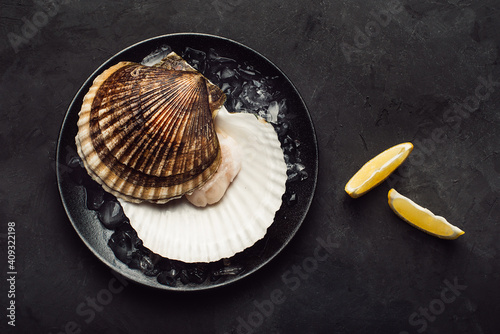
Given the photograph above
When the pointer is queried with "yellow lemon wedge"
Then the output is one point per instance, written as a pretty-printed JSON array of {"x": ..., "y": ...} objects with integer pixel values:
[
  {"x": 377, "y": 169},
  {"x": 422, "y": 218}
]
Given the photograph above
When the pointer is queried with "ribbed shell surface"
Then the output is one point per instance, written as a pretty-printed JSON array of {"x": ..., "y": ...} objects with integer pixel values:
[
  {"x": 147, "y": 133},
  {"x": 181, "y": 231}
]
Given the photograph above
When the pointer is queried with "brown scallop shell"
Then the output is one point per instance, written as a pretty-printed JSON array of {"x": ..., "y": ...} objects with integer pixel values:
[{"x": 147, "y": 133}]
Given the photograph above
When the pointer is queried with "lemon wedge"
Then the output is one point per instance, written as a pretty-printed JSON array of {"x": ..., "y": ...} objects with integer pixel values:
[
  {"x": 377, "y": 169},
  {"x": 422, "y": 218}
]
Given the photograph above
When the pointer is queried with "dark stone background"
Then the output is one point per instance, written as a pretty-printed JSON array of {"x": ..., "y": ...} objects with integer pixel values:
[{"x": 365, "y": 94}]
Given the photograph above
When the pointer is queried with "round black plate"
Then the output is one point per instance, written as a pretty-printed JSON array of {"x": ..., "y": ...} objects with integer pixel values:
[{"x": 296, "y": 201}]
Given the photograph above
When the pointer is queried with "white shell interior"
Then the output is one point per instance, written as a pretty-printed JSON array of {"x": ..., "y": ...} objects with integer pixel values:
[{"x": 178, "y": 230}]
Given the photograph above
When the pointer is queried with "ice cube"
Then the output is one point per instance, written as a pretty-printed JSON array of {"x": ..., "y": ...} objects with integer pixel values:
[
  {"x": 273, "y": 111},
  {"x": 157, "y": 55},
  {"x": 111, "y": 214}
]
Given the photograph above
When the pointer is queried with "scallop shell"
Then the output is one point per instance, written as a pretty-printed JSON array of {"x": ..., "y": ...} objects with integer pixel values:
[
  {"x": 178, "y": 230},
  {"x": 147, "y": 133},
  {"x": 175, "y": 62}
]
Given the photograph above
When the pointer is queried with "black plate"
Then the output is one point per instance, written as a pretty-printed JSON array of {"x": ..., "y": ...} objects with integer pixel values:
[{"x": 296, "y": 201}]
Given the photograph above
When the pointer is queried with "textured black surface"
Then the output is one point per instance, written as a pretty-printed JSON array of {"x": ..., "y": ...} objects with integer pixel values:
[{"x": 353, "y": 267}]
